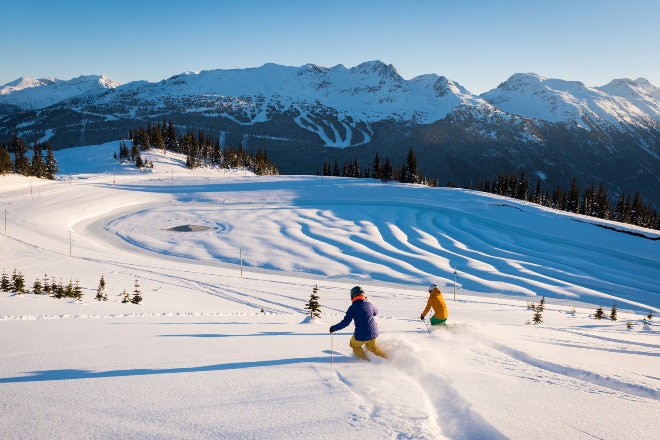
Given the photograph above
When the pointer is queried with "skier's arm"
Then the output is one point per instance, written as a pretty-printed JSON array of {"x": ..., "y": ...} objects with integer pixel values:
[
  {"x": 344, "y": 322},
  {"x": 427, "y": 308}
]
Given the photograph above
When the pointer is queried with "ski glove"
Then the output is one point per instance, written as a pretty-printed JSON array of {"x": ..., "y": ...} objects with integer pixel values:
[
  {"x": 421, "y": 317},
  {"x": 331, "y": 330}
]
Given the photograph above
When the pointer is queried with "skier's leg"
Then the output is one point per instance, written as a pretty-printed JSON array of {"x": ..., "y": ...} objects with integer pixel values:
[
  {"x": 436, "y": 321},
  {"x": 375, "y": 349},
  {"x": 357, "y": 348}
]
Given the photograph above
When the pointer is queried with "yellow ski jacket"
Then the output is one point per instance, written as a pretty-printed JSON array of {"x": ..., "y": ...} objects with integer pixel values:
[{"x": 437, "y": 301}]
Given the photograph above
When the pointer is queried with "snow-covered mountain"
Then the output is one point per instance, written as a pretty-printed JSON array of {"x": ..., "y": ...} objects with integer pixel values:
[
  {"x": 32, "y": 94},
  {"x": 302, "y": 116},
  {"x": 620, "y": 103}
]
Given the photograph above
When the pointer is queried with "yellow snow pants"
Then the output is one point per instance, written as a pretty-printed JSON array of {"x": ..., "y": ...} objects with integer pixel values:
[{"x": 371, "y": 346}]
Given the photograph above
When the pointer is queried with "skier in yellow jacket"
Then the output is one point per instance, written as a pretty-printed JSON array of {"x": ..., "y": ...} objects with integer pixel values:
[{"x": 437, "y": 302}]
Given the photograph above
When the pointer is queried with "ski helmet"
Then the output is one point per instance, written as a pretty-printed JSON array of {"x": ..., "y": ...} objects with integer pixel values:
[
  {"x": 355, "y": 291},
  {"x": 433, "y": 287}
]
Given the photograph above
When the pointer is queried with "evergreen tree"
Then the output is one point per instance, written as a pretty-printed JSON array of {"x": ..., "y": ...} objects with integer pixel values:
[
  {"x": 51, "y": 162},
  {"x": 538, "y": 319},
  {"x": 619, "y": 209},
  {"x": 6, "y": 164},
  {"x": 599, "y": 313},
  {"x": 21, "y": 162},
  {"x": 387, "y": 173},
  {"x": 602, "y": 203},
  {"x": 376, "y": 168},
  {"x": 77, "y": 292},
  {"x": 157, "y": 138},
  {"x": 137, "y": 298},
  {"x": 100, "y": 291},
  {"x": 411, "y": 173},
  {"x": 138, "y": 161},
  {"x": 542, "y": 303},
  {"x": 573, "y": 198},
  {"x": 588, "y": 201},
  {"x": 613, "y": 312},
  {"x": 69, "y": 290},
  {"x": 170, "y": 140},
  {"x": 126, "y": 298},
  {"x": 326, "y": 169},
  {"x": 635, "y": 209},
  {"x": 538, "y": 197},
  {"x": 521, "y": 190},
  {"x": 38, "y": 167},
  {"x": 5, "y": 284},
  {"x": 37, "y": 287},
  {"x": 18, "y": 282},
  {"x": 313, "y": 304},
  {"x": 58, "y": 289},
  {"x": 48, "y": 289}
]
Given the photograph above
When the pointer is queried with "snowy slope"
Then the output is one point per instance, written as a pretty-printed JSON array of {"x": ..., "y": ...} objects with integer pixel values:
[{"x": 221, "y": 347}]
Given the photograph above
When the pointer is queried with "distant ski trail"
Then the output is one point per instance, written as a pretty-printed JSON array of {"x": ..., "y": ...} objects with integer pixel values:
[{"x": 580, "y": 375}]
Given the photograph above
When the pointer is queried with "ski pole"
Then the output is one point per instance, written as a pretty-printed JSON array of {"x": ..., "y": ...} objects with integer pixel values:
[
  {"x": 427, "y": 326},
  {"x": 332, "y": 349}
]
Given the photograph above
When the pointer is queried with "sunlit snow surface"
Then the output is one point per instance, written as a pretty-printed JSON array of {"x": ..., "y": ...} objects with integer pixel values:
[{"x": 220, "y": 346}]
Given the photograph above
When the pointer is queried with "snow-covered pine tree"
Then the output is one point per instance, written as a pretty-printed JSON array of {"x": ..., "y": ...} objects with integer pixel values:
[
  {"x": 542, "y": 304},
  {"x": 126, "y": 299},
  {"x": 313, "y": 304},
  {"x": 613, "y": 312}
]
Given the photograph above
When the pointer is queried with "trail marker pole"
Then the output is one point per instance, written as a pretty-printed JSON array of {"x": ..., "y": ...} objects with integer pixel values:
[{"x": 454, "y": 284}]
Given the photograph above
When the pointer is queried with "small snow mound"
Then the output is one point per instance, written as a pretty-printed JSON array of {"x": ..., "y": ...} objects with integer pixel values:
[
  {"x": 311, "y": 320},
  {"x": 188, "y": 228},
  {"x": 647, "y": 328}
]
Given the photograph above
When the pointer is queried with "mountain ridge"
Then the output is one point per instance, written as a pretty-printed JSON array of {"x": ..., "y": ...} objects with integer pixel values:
[{"x": 555, "y": 129}]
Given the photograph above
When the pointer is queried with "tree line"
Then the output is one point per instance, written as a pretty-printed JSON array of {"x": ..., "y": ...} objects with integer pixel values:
[
  {"x": 383, "y": 170},
  {"x": 199, "y": 149},
  {"x": 37, "y": 164},
  {"x": 16, "y": 283},
  {"x": 592, "y": 201}
]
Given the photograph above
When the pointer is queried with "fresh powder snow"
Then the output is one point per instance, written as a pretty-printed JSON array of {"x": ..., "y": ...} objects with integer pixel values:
[{"x": 222, "y": 347}]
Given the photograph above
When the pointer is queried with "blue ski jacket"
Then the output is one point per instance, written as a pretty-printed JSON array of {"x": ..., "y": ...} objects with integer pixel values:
[{"x": 362, "y": 313}]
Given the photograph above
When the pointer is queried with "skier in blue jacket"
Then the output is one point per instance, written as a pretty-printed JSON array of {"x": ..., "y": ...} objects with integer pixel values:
[{"x": 362, "y": 313}]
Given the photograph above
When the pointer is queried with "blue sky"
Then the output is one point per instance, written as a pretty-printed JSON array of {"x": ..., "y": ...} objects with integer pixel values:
[{"x": 479, "y": 44}]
